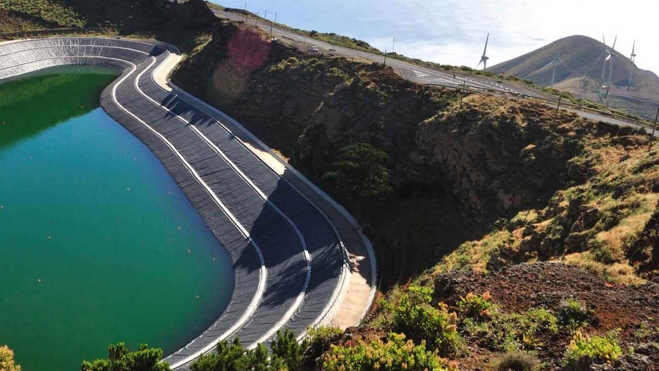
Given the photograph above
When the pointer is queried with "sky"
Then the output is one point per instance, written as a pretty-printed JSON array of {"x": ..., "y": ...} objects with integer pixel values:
[{"x": 454, "y": 31}]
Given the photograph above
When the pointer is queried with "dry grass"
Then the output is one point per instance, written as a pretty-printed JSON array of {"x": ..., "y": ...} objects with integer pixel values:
[{"x": 621, "y": 273}]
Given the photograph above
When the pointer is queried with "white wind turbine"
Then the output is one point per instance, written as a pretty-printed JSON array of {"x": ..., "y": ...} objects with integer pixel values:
[
  {"x": 554, "y": 62},
  {"x": 612, "y": 58},
  {"x": 484, "y": 57},
  {"x": 604, "y": 63},
  {"x": 631, "y": 69}
]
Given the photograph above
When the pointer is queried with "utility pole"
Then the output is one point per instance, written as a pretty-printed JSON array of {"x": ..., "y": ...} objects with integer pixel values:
[
  {"x": 558, "y": 107},
  {"x": 654, "y": 127}
]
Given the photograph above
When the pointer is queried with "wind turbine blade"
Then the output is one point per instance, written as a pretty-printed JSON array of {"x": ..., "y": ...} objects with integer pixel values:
[
  {"x": 548, "y": 64},
  {"x": 608, "y": 57},
  {"x": 614, "y": 43},
  {"x": 603, "y": 40},
  {"x": 479, "y": 64},
  {"x": 486, "y": 41}
]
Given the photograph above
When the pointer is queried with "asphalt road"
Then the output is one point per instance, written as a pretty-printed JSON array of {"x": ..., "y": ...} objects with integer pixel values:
[
  {"x": 419, "y": 74},
  {"x": 410, "y": 71}
]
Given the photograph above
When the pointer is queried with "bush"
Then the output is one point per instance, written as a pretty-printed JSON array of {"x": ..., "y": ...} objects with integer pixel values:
[
  {"x": 415, "y": 317},
  {"x": 234, "y": 357},
  {"x": 395, "y": 354},
  {"x": 360, "y": 172},
  {"x": 7, "y": 360},
  {"x": 511, "y": 332},
  {"x": 541, "y": 320},
  {"x": 517, "y": 361},
  {"x": 476, "y": 306},
  {"x": 573, "y": 313},
  {"x": 596, "y": 349},
  {"x": 320, "y": 339},
  {"x": 286, "y": 347},
  {"x": 122, "y": 359},
  {"x": 604, "y": 255}
]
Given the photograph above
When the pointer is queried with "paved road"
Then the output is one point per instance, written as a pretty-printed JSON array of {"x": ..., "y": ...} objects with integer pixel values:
[
  {"x": 422, "y": 75},
  {"x": 410, "y": 71},
  {"x": 287, "y": 252}
]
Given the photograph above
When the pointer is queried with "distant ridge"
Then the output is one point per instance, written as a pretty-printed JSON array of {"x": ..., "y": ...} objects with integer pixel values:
[{"x": 579, "y": 72}]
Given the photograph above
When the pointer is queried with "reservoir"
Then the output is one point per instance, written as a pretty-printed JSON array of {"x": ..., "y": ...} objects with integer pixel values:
[{"x": 98, "y": 245}]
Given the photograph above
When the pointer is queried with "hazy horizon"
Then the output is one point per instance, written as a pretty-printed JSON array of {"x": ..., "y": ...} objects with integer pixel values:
[{"x": 453, "y": 31}]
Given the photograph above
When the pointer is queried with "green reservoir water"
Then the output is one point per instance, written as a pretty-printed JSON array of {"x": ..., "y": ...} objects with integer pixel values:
[{"x": 97, "y": 243}]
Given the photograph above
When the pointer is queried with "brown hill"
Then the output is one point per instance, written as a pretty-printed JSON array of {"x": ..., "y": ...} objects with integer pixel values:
[{"x": 579, "y": 71}]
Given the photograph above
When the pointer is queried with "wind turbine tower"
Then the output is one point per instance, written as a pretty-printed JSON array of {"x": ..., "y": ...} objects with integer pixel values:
[
  {"x": 484, "y": 57},
  {"x": 553, "y": 73},
  {"x": 554, "y": 62},
  {"x": 631, "y": 69},
  {"x": 612, "y": 57},
  {"x": 603, "y": 63}
]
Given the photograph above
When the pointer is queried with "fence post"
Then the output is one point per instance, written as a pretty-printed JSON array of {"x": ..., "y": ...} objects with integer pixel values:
[
  {"x": 558, "y": 107},
  {"x": 654, "y": 126}
]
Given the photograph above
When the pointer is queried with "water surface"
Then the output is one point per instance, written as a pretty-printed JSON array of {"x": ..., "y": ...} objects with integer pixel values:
[{"x": 97, "y": 243}]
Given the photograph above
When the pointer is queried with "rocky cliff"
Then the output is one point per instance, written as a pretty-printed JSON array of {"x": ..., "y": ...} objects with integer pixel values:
[{"x": 441, "y": 167}]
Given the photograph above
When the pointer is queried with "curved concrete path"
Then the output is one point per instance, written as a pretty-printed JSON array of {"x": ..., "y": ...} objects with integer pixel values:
[{"x": 299, "y": 258}]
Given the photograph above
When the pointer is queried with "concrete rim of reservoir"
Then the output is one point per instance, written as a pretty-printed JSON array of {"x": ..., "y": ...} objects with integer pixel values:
[{"x": 299, "y": 258}]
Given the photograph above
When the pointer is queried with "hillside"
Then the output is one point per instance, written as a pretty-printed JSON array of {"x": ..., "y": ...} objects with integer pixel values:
[
  {"x": 580, "y": 70},
  {"x": 122, "y": 16}
]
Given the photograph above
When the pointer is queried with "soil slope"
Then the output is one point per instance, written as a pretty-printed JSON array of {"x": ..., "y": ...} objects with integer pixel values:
[{"x": 579, "y": 71}]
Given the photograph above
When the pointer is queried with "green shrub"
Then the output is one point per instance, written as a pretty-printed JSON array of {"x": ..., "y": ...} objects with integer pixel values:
[
  {"x": 395, "y": 354},
  {"x": 320, "y": 339},
  {"x": 234, "y": 357},
  {"x": 517, "y": 361},
  {"x": 289, "y": 350},
  {"x": 598, "y": 349},
  {"x": 360, "y": 172},
  {"x": 122, "y": 359},
  {"x": 541, "y": 320},
  {"x": 573, "y": 313},
  {"x": 476, "y": 306},
  {"x": 415, "y": 317},
  {"x": 511, "y": 332},
  {"x": 604, "y": 255}
]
